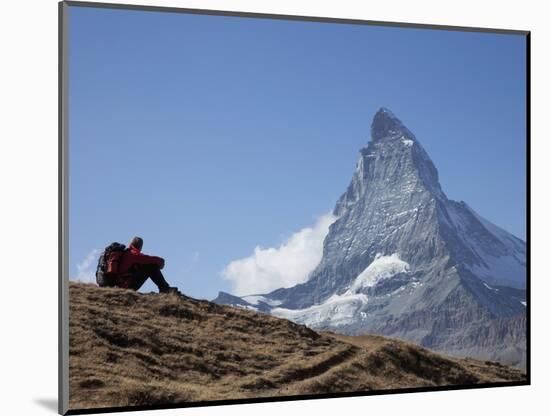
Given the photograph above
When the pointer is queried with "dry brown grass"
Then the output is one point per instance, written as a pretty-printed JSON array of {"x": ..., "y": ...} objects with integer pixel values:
[{"x": 129, "y": 349}]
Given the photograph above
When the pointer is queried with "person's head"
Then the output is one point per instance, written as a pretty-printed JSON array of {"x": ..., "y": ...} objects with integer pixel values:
[{"x": 137, "y": 242}]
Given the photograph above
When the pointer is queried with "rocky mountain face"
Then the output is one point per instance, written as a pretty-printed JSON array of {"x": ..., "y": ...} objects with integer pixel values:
[{"x": 403, "y": 260}]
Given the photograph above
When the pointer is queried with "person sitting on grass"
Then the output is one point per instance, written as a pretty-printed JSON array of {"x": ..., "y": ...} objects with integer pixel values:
[{"x": 135, "y": 268}]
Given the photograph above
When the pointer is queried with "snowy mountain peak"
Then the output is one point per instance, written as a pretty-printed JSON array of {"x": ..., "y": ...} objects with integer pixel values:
[
  {"x": 386, "y": 125},
  {"x": 403, "y": 260}
]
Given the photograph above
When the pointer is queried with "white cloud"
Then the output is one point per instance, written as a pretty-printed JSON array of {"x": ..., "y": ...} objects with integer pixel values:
[
  {"x": 289, "y": 264},
  {"x": 85, "y": 270}
]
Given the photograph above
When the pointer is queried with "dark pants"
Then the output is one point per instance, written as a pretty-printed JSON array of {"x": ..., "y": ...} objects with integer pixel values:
[{"x": 141, "y": 272}]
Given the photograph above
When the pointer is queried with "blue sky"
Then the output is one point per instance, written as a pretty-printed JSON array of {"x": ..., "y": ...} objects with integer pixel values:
[{"x": 209, "y": 136}]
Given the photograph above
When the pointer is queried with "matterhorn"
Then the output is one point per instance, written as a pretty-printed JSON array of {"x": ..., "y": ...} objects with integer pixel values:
[{"x": 404, "y": 261}]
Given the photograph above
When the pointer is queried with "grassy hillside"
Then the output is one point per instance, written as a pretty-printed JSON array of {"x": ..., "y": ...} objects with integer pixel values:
[{"x": 129, "y": 349}]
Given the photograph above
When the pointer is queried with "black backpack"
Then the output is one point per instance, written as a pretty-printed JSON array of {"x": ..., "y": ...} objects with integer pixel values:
[{"x": 108, "y": 263}]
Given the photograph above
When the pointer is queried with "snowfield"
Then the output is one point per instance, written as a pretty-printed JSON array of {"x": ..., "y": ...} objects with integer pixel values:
[
  {"x": 255, "y": 299},
  {"x": 383, "y": 267},
  {"x": 336, "y": 310},
  {"x": 507, "y": 268},
  {"x": 343, "y": 309}
]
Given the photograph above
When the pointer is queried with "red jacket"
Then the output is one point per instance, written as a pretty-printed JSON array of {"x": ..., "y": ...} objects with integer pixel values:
[{"x": 131, "y": 257}]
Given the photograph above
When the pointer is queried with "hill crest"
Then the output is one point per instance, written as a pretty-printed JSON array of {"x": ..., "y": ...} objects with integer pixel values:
[{"x": 133, "y": 349}]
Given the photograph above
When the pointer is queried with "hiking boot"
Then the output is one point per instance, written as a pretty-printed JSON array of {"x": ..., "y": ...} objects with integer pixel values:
[{"x": 170, "y": 289}]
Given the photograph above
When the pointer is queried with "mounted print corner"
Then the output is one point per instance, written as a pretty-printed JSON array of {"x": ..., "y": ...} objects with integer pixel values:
[{"x": 264, "y": 207}]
